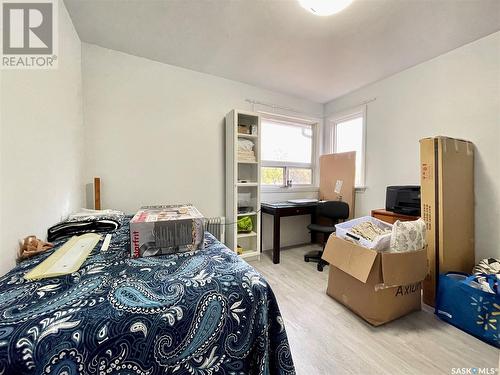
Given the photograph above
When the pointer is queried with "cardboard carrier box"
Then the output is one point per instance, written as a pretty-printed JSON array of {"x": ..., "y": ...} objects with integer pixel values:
[
  {"x": 379, "y": 286},
  {"x": 161, "y": 230}
]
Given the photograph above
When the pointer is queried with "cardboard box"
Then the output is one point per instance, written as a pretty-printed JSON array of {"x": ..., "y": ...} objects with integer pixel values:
[
  {"x": 447, "y": 203},
  {"x": 161, "y": 230},
  {"x": 378, "y": 286}
]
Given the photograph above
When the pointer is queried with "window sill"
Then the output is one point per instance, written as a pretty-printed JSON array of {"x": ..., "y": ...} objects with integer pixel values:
[{"x": 293, "y": 189}]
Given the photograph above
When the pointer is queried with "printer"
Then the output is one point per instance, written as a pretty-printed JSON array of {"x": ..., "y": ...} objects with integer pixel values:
[{"x": 403, "y": 200}]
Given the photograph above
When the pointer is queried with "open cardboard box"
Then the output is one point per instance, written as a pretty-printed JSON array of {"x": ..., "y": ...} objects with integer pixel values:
[{"x": 378, "y": 286}]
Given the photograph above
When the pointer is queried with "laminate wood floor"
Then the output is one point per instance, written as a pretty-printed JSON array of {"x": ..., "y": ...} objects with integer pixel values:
[{"x": 326, "y": 338}]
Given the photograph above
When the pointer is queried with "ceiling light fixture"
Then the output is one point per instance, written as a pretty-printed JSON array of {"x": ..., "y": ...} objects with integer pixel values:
[{"x": 325, "y": 7}]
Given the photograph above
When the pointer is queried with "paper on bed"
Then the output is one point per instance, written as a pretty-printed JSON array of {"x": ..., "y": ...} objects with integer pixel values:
[{"x": 67, "y": 259}]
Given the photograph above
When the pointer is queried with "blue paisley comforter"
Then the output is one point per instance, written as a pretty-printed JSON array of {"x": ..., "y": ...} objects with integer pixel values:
[{"x": 198, "y": 313}]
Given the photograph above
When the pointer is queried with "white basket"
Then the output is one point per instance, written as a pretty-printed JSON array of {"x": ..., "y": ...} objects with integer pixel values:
[{"x": 380, "y": 243}]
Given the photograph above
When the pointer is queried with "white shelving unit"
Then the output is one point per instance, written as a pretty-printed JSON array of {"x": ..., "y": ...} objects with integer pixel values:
[{"x": 242, "y": 177}]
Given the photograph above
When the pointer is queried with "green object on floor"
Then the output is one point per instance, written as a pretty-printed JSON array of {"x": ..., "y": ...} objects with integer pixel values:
[{"x": 245, "y": 224}]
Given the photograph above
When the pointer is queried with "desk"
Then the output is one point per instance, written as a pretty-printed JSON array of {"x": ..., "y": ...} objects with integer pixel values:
[
  {"x": 283, "y": 209},
  {"x": 391, "y": 217}
]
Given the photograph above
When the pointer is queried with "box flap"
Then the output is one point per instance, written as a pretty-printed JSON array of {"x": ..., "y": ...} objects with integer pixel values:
[
  {"x": 353, "y": 259},
  {"x": 404, "y": 268}
]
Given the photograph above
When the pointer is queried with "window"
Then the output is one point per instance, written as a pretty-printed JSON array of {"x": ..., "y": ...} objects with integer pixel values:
[
  {"x": 348, "y": 134},
  {"x": 287, "y": 150}
]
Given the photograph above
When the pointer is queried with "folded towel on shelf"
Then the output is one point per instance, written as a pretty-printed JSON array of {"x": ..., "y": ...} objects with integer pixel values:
[
  {"x": 246, "y": 155},
  {"x": 245, "y": 145}
]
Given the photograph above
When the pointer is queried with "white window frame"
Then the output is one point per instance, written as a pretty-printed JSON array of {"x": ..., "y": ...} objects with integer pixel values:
[
  {"x": 333, "y": 121},
  {"x": 315, "y": 148}
]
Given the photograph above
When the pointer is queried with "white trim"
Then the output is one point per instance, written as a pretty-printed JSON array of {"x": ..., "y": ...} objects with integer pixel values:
[{"x": 330, "y": 131}]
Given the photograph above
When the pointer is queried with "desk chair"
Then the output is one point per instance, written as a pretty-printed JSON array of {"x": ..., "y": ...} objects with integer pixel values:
[{"x": 336, "y": 212}]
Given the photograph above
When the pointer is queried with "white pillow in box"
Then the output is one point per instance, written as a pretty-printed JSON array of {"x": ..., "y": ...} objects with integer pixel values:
[{"x": 408, "y": 235}]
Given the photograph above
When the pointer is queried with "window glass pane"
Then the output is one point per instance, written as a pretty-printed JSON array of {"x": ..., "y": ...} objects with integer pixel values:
[
  {"x": 300, "y": 176},
  {"x": 272, "y": 176},
  {"x": 286, "y": 143},
  {"x": 349, "y": 137}
]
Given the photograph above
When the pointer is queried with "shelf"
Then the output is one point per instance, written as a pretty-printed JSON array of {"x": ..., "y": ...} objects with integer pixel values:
[
  {"x": 251, "y": 213},
  {"x": 243, "y": 180},
  {"x": 249, "y": 234},
  {"x": 250, "y": 136}
]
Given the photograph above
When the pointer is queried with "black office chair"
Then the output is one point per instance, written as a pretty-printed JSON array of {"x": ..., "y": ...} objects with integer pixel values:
[{"x": 336, "y": 212}]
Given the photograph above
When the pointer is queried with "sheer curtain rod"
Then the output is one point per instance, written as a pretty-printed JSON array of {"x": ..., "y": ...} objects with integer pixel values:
[
  {"x": 275, "y": 106},
  {"x": 351, "y": 107}
]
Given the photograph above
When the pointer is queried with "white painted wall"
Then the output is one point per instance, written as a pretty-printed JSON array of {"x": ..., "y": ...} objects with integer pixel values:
[
  {"x": 456, "y": 94},
  {"x": 155, "y": 132},
  {"x": 41, "y": 145}
]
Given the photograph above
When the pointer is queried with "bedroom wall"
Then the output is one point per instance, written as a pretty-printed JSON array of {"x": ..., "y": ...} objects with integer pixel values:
[
  {"x": 155, "y": 133},
  {"x": 41, "y": 145},
  {"x": 456, "y": 94}
]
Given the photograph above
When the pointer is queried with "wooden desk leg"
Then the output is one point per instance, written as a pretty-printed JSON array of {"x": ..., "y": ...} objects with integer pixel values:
[
  {"x": 313, "y": 221},
  {"x": 276, "y": 239}
]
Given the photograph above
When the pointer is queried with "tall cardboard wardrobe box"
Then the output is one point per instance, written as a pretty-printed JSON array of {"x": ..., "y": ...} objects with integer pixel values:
[{"x": 447, "y": 200}]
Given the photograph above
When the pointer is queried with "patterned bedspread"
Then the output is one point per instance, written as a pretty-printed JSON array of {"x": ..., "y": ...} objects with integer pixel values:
[{"x": 197, "y": 313}]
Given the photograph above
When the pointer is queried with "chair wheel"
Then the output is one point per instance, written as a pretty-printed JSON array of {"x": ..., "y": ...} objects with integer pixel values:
[{"x": 320, "y": 267}]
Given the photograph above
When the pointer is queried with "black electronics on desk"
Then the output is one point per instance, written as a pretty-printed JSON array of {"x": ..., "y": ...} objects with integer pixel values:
[{"x": 403, "y": 200}]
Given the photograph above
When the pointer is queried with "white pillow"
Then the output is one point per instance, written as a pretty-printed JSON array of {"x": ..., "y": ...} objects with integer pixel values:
[{"x": 408, "y": 235}]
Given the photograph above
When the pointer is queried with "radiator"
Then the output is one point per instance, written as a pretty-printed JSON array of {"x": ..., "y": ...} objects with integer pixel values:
[{"x": 217, "y": 227}]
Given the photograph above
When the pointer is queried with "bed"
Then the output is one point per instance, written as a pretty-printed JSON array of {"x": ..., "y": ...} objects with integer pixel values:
[{"x": 197, "y": 313}]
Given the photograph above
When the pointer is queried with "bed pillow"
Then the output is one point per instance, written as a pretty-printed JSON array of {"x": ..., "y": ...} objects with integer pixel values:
[{"x": 408, "y": 235}]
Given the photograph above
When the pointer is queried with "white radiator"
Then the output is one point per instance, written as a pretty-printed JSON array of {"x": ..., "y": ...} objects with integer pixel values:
[{"x": 217, "y": 227}]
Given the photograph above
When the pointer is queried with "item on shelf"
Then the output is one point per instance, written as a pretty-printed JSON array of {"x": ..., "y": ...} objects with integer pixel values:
[
  {"x": 245, "y": 150},
  {"x": 408, "y": 235},
  {"x": 244, "y": 210},
  {"x": 32, "y": 246},
  {"x": 366, "y": 231},
  {"x": 239, "y": 250},
  {"x": 244, "y": 129},
  {"x": 161, "y": 230},
  {"x": 245, "y": 224},
  {"x": 244, "y": 199},
  {"x": 462, "y": 302}
]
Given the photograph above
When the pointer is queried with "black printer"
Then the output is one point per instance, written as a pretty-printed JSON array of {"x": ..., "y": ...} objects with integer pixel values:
[{"x": 403, "y": 200}]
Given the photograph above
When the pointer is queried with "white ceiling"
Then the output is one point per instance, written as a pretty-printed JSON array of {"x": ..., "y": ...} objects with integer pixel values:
[{"x": 280, "y": 46}]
